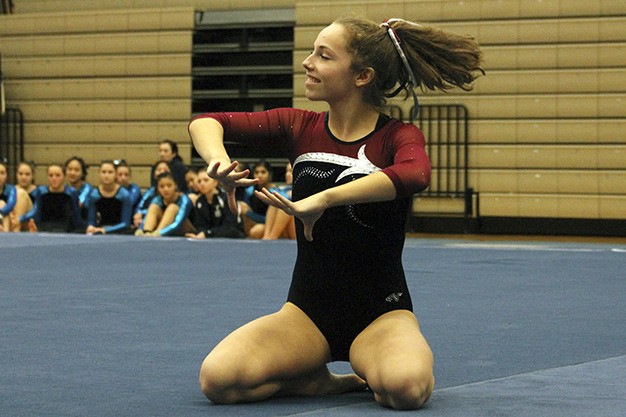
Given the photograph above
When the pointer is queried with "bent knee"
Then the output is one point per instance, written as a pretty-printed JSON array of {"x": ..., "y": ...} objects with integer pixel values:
[
  {"x": 404, "y": 392},
  {"x": 216, "y": 383},
  {"x": 231, "y": 381}
]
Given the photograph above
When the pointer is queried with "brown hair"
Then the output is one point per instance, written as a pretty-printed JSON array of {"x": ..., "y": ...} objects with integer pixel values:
[{"x": 439, "y": 60}]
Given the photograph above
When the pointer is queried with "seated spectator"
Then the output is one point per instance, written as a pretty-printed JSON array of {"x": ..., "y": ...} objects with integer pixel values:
[
  {"x": 76, "y": 175},
  {"x": 254, "y": 209},
  {"x": 279, "y": 224},
  {"x": 57, "y": 207},
  {"x": 168, "y": 152},
  {"x": 142, "y": 207},
  {"x": 14, "y": 202},
  {"x": 25, "y": 174},
  {"x": 109, "y": 204},
  {"x": 211, "y": 216},
  {"x": 191, "y": 178},
  {"x": 168, "y": 214},
  {"x": 26, "y": 181},
  {"x": 123, "y": 176}
]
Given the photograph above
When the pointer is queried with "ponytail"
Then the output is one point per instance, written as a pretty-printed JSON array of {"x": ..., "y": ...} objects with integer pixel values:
[{"x": 406, "y": 55}]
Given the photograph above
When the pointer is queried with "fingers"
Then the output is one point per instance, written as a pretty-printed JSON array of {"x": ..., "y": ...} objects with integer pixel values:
[
  {"x": 276, "y": 199},
  {"x": 215, "y": 172},
  {"x": 308, "y": 232},
  {"x": 232, "y": 202},
  {"x": 281, "y": 202},
  {"x": 229, "y": 177}
]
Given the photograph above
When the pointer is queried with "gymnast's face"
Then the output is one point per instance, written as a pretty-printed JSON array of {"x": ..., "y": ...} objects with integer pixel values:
[
  {"x": 262, "y": 174},
  {"x": 206, "y": 184},
  {"x": 74, "y": 172},
  {"x": 165, "y": 152},
  {"x": 161, "y": 168},
  {"x": 56, "y": 178},
  {"x": 123, "y": 175},
  {"x": 167, "y": 189},
  {"x": 329, "y": 74},
  {"x": 24, "y": 175},
  {"x": 191, "y": 178},
  {"x": 3, "y": 175},
  {"x": 107, "y": 173}
]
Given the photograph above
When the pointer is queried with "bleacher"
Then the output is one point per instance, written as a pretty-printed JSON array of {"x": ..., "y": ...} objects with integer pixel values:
[
  {"x": 547, "y": 124},
  {"x": 104, "y": 84}
]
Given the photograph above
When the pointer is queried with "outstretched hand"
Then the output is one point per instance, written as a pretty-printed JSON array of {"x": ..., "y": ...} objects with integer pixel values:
[
  {"x": 230, "y": 179},
  {"x": 308, "y": 210}
]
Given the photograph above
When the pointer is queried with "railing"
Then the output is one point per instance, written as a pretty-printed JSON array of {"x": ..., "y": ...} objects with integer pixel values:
[
  {"x": 6, "y": 6},
  {"x": 445, "y": 128},
  {"x": 12, "y": 138}
]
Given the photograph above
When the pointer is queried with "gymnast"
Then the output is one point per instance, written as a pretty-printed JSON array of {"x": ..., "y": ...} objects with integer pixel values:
[
  {"x": 25, "y": 174},
  {"x": 147, "y": 197},
  {"x": 255, "y": 210},
  {"x": 123, "y": 175},
  {"x": 56, "y": 205},
  {"x": 109, "y": 209},
  {"x": 279, "y": 224},
  {"x": 76, "y": 175},
  {"x": 14, "y": 203},
  {"x": 211, "y": 216},
  {"x": 12, "y": 199},
  {"x": 355, "y": 171},
  {"x": 168, "y": 213}
]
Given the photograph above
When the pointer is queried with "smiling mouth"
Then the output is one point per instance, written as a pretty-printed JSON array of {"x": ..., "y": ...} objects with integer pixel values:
[{"x": 311, "y": 80}]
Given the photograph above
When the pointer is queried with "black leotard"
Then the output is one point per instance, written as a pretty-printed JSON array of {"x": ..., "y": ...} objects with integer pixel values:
[{"x": 351, "y": 273}]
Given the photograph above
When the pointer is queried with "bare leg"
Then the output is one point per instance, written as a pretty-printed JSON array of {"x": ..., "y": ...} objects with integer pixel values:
[
  {"x": 276, "y": 355},
  {"x": 279, "y": 226},
  {"x": 394, "y": 358},
  {"x": 256, "y": 231},
  {"x": 153, "y": 217},
  {"x": 23, "y": 205},
  {"x": 169, "y": 215},
  {"x": 5, "y": 223},
  {"x": 270, "y": 218}
]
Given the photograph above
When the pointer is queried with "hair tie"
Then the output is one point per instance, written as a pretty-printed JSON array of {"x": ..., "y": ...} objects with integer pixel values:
[{"x": 396, "y": 40}]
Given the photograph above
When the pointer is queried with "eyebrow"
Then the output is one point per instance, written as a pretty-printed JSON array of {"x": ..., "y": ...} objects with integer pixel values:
[{"x": 325, "y": 49}]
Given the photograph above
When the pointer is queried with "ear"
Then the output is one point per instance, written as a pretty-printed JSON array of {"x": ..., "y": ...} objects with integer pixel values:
[{"x": 365, "y": 77}]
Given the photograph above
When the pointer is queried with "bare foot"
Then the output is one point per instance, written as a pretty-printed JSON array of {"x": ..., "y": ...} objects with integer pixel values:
[
  {"x": 32, "y": 226},
  {"x": 324, "y": 382}
]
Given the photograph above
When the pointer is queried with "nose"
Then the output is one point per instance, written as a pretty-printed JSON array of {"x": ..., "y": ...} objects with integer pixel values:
[{"x": 307, "y": 62}]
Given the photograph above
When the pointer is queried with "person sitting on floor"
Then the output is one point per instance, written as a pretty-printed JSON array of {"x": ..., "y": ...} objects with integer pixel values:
[
  {"x": 76, "y": 175},
  {"x": 211, "y": 216},
  {"x": 254, "y": 209},
  {"x": 279, "y": 224},
  {"x": 26, "y": 180},
  {"x": 123, "y": 175},
  {"x": 168, "y": 212},
  {"x": 143, "y": 204},
  {"x": 14, "y": 202},
  {"x": 57, "y": 207},
  {"x": 109, "y": 204}
]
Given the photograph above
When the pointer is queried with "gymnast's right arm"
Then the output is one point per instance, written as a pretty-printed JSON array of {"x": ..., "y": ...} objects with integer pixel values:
[{"x": 207, "y": 135}]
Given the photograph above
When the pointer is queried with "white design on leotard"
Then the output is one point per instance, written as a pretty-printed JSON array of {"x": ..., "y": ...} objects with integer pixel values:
[
  {"x": 313, "y": 172},
  {"x": 358, "y": 165}
]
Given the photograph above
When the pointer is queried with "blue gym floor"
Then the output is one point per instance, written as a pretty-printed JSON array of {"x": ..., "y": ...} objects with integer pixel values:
[{"x": 118, "y": 325}]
